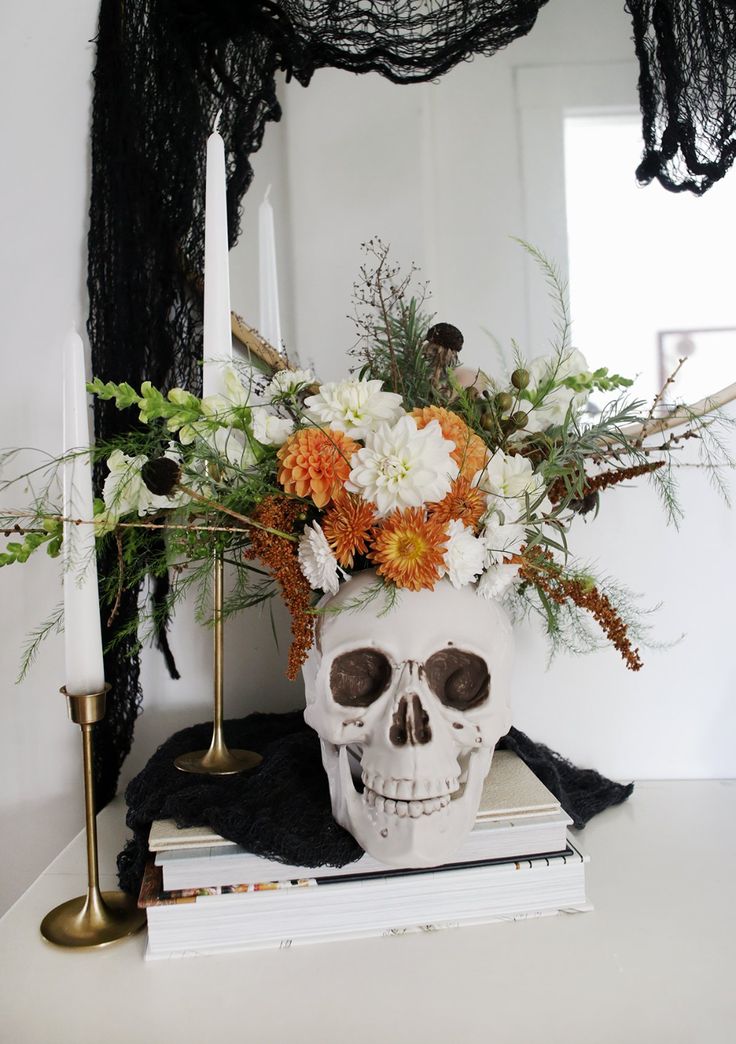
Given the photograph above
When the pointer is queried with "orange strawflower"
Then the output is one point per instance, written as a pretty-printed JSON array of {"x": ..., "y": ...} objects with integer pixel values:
[
  {"x": 470, "y": 451},
  {"x": 347, "y": 524},
  {"x": 464, "y": 502},
  {"x": 316, "y": 463},
  {"x": 409, "y": 549}
]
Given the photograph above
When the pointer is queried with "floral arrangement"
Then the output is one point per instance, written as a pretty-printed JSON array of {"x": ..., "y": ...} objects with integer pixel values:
[{"x": 411, "y": 465}]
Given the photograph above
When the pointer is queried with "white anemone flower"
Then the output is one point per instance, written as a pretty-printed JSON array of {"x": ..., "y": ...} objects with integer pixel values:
[
  {"x": 465, "y": 556},
  {"x": 354, "y": 406},
  {"x": 496, "y": 580},
  {"x": 270, "y": 430},
  {"x": 403, "y": 467},
  {"x": 125, "y": 492},
  {"x": 316, "y": 560},
  {"x": 289, "y": 382}
]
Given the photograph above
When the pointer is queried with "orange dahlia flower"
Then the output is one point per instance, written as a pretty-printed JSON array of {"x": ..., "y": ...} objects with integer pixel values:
[
  {"x": 470, "y": 450},
  {"x": 347, "y": 524},
  {"x": 316, "y": 463},
  {"x": 464, "y": 502},
  {"x": 409, "y": 549}
]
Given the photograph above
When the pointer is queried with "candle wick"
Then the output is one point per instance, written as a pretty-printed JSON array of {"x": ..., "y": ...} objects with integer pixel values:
[{"x": 216, "y": 124}]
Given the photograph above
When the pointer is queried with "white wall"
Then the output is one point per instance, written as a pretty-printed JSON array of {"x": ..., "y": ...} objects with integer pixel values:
[
  {"x": 446, "y": 190},
  {"x": 45, "y": 65}
]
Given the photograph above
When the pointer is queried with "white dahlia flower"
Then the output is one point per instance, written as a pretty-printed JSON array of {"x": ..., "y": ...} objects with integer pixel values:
[
  {"x": 465, "y": 556},
  {"x": 401, "y": 467},
  {"x": 317, "y": 561},
  {"x": 353, "y": 406}
]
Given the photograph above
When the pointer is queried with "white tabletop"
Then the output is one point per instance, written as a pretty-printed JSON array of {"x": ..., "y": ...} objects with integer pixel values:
[{"x": 653, "y": 962}]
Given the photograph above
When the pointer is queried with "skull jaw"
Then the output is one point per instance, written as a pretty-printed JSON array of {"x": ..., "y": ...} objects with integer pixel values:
[{"x": 428, "y": 840}]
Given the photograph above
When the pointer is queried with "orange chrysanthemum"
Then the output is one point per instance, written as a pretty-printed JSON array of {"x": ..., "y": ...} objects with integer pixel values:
[
  {"x": 409, "y": 549},
  {"x": 347, "y": 524},
  {"x": 316, "y": 463},
  {"x": 464, "y": 502},
  {"x": 470, "y": 451}
]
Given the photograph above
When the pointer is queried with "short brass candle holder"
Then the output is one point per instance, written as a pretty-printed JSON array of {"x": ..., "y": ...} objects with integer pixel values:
[
  {"x": 218, "y": 760},
  {"x": 97, "y": 918}
]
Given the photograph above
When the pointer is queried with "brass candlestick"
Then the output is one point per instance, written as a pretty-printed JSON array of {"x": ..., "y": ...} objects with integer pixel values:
[
  {"x": 97, "y": 918},
  {"x": 219, "y": 760}
]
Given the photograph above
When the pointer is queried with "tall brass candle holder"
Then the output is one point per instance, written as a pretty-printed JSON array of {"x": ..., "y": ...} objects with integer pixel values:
[
  {"x": 97, "y": 918},
  {"x": 218, "y": 760}
]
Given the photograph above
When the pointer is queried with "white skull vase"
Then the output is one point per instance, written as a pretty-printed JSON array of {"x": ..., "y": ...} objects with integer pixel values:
[{"x": 420, "y": 695}]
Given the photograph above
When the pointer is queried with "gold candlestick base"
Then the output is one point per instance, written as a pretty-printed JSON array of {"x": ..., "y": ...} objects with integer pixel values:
[
  {"x": 97, "y": 918},
  {"x": 218, "y": 763},
  {"x": 219, "y": 760}
]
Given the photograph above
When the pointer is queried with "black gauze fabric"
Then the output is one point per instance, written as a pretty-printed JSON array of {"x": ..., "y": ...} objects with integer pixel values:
[
  {"x": 281, "y": 809},
  {"x": 687, "y": 90}
]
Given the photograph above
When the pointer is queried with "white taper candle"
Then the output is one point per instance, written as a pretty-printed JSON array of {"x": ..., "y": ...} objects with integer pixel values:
[
  {"x": 270, "y": 321},
  {"x": 218, "y": 344},
  {"x": 85, "y": 672}
]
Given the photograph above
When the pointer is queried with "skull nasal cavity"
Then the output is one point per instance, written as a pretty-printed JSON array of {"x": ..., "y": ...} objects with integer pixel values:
[{"x": 410, "y": 723}]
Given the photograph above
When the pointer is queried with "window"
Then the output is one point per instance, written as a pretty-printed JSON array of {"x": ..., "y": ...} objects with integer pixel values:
[{"x": 651, "y": 276}]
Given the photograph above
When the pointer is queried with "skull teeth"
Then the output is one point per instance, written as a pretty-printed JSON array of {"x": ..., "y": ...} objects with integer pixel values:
[
  {"x": 414, "y": 809},
  {"x": 411, "y": 789}
]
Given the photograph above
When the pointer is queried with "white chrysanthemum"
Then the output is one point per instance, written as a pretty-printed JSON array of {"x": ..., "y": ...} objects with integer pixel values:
[
  {"x": 555, "y": 404},
  {"x": 289, "y": 382},
  {"x": 317, "y": 561},
  {"x": 402, "y": 467},
  {"x": 496, "y": 580},
  {"x": 465, "y": 556},
  {"x": 270, "y": 430},
  {"x": 353, "y": 406},
  {"x": 501, "y": 538},
  {"x": 125, "y": 492}
]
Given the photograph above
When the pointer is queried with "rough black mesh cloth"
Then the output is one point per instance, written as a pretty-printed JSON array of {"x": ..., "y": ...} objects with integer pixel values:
[
  {"x": 163, "y": 70},
  {"x": 687, "y": 90},
  {"x": 281, "y": 810}
]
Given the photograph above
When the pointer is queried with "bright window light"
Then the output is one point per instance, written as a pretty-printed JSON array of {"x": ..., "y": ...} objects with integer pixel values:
[{"x": 651, "y": 272}]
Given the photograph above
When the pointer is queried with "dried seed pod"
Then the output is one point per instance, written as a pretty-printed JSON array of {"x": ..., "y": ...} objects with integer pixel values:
[{"x": 446, "y": 336}]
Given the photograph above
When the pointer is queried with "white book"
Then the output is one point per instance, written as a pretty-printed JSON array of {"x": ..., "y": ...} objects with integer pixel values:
[
  {"x": 496, "y": 839},
  {"x": 333, "y": 909}
]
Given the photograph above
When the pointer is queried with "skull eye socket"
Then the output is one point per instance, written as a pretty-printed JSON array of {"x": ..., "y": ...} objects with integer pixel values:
[
  {"x": 359, "y": 677},
  {"x": 459, "y": 679}
]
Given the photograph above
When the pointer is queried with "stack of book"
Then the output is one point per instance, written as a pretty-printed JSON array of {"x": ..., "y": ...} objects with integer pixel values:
[{"x": 204, "y": 894}]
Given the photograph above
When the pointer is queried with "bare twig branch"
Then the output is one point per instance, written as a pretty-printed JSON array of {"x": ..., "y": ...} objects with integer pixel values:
[{"x": 681, "y": 415}]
